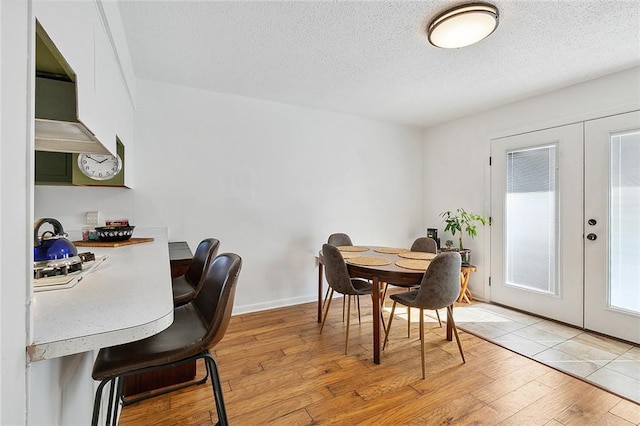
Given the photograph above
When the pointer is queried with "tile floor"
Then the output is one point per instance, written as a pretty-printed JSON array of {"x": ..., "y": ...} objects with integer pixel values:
[{"x": 604, "y": 362}]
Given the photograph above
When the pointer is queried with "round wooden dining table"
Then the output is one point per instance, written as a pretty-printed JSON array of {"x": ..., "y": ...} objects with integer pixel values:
[{"x": 377, "y": 274}]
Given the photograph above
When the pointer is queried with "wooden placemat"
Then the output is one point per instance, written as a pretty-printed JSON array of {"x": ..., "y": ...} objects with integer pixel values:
[
  {"x": 353, "y": 248},
  {"x": 128, "y": 242},
  {"x": 390, "y": 250},
  {"x": 368, "y": 261},
  {"x": 419, "y": 265},
  {"x": 349, "y": 254},
  {"x": 418, "y": 255}
]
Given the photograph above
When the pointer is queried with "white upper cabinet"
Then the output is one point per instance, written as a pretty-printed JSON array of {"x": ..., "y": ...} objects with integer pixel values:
[{"x": 81, "y": 32}]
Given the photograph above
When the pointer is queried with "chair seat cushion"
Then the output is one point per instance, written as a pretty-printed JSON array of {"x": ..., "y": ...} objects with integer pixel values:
[
  {"x": 183, "y": 338},
  {"x": 406, "y": 298},
  {"x": 361, "y": 286},
  {"x": 182, "y": 290},
  {"x": 409, "y": 299}
]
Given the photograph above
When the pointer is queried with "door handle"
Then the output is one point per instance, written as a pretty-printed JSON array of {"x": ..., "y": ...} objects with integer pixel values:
[{"x": 592, "y": 237}]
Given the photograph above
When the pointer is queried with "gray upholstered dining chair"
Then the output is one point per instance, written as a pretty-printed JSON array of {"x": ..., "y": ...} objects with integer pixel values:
[
  {"x": 339, "y": 281},
  {"x": 186, "y": 286},
  {"x": 425, "y": 245},
  {"x": 440, "y": 288},
  {"x": 339, "y": 239}
]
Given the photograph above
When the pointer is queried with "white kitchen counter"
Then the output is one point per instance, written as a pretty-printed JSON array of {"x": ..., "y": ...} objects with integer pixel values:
[{"x": 126, "y": 298}]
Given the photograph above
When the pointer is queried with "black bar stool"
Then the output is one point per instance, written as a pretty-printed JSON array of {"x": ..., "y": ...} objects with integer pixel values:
[{"x": 197, "y": 326}]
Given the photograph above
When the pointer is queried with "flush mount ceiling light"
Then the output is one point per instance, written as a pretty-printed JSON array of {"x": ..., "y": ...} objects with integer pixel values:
[{"x": 463, "y": 25}]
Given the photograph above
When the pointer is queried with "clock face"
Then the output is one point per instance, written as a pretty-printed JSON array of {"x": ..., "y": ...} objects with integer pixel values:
[{"x": 99, "y": 166}]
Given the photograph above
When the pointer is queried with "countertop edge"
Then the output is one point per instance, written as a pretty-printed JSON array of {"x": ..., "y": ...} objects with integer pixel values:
[{"x": 50, "y": 350}]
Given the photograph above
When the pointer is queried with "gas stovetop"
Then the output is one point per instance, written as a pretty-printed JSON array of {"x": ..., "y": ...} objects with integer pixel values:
[{"x": 57, "y": 267}]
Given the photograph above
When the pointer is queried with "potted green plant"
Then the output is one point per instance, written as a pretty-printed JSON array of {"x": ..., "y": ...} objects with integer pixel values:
[{"x": 462, "y": 221}]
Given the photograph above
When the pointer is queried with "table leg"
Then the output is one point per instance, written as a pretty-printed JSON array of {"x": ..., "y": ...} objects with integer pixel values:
[
  {"x": 449, "y": 324},
  {"x": 320, "y": 270},
  {"x": 464, "y": 283},
  {"x": 376, "y": 320}
]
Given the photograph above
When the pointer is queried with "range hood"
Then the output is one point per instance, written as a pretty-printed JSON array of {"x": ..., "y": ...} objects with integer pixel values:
[
  {"x": 66, "y": 136},
  {"x": 57, "y": 127}
]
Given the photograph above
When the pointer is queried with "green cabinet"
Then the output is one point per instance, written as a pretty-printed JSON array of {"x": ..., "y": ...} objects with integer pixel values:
[{"x": 53, "y": 168}]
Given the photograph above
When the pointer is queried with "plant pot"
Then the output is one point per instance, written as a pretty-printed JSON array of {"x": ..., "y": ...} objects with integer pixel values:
[{"x": 465, "y": 254}]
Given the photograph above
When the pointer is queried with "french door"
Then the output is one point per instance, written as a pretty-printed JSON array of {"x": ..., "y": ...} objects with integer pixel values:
[
  {"x": 612, "y": 226},
  {"x": 565, "y": 235},
  {"x": 536, "y": 229}
]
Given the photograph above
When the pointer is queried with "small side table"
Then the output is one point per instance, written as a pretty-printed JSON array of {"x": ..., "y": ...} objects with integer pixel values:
[{"x": 465, "y": 293}]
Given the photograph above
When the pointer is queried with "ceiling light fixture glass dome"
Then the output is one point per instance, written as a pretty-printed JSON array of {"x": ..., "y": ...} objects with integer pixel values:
[{"x": 463, "y": 25}]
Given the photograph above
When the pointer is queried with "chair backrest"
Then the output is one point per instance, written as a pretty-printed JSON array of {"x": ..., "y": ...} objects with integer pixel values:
[
  {"x": 425, "y": 244},
  {"x": 214, "y": 302},
  {"x": 440, "y": 286},
  {"x": 336, "y": 270},
  {"x": 205, "y": 252},
  {"x": 339, "y": 239}
]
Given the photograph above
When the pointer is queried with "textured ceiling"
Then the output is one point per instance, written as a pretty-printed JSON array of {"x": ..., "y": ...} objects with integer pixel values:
[{"x": 372, "y": 58}]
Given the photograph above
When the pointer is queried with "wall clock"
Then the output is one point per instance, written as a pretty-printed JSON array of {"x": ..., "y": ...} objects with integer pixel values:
[{"x": 99, "y": 166}]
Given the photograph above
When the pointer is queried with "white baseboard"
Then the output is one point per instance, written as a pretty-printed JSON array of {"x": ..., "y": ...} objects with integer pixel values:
[{"x": 272, "y": 304}]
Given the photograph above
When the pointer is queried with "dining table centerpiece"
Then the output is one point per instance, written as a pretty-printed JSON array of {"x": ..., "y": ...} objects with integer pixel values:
[{"x": 461, "y": 221}]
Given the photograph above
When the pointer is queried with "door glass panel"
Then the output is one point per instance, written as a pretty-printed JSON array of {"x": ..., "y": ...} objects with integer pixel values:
[
  {"x": 624, "y": 214},
  {"x": 531, "y": 219}
]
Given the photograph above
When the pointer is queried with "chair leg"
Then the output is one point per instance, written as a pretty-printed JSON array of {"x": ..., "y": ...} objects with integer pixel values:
[
  {"x": 119, "y": 385},
  {"x": 422, "y": 341},
  {"x": 408, "y": 322},
  {"x": 358, "y": 300},
  {"x": 212, "y": 368},
  {"x": 98, "y": 400},
  {"x": 346, "y": 341},
  {"x": 384, "y": 293},
  {"x": 326, "y": 311},
  {"x": 326, "y": 295},
  {"x": 384, "y": 326},
  {"x": 386, "y": 334},
  {"x": 455, "y": 331},
  {"x": 438, "y": 315},
  {"x": 111, "y": 406}
]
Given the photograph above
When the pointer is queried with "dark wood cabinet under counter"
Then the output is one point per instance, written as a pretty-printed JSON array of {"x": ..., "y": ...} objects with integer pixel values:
[{"x": 180, "y": 257}]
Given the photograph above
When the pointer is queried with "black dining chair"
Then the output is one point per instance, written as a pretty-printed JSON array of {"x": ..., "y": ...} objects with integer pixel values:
[
  {"x": 339, "y": 281},
  {"x": 186, "y": 286},
  {"x": 439, "y": 288},
  {"x": 197, "y": 327}
]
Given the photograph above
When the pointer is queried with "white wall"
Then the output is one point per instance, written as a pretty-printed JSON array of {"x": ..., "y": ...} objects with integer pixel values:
[
  {"x": 16, "y": 153},
  {"x": 271, "y": 181},
  {"x": 456, "y": 168}
]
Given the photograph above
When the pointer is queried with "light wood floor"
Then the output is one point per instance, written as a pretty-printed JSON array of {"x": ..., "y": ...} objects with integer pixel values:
[{"x": 277, "y": 369}]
